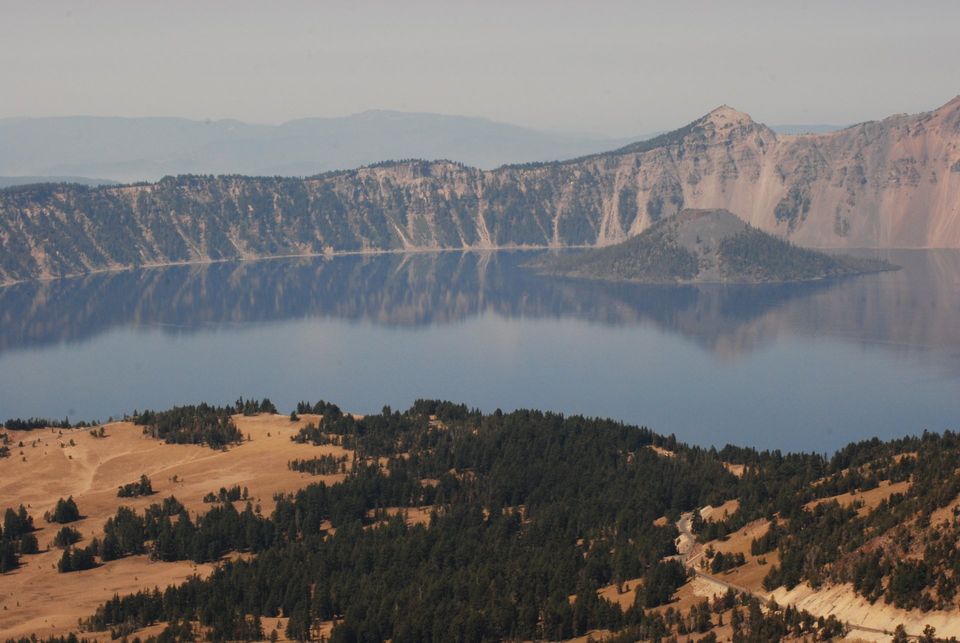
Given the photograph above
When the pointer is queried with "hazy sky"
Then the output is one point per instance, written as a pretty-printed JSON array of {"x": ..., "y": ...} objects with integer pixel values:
[{"x": 617, "y": 68}]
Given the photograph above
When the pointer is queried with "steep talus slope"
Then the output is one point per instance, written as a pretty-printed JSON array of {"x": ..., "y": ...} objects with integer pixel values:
[
  {"x": 892, "y": 183},
  {"x": 705, "y": 246}
]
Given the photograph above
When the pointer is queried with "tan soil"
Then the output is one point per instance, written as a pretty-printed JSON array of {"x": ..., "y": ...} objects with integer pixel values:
[
  {"x": 664, "y": 452},
  {"x": 870, "y": 499},
  {"x": 837, "y": 600},
  {"x": 413, "y": 515},
  {"x": 37, "y": 599},
  {"x": 716, "y": 514},
  {"x": 736, "y": 469}
]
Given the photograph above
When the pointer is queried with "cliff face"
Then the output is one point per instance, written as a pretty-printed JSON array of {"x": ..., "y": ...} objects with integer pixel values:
[{"x": 893, "y": 183}]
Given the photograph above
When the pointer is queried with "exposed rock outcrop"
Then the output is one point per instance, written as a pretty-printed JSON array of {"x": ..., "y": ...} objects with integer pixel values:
[{"x": 892, "y": 183}]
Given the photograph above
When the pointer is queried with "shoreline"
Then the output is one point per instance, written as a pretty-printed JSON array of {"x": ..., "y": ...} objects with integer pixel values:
[
  {"x": 367, "y": 252},
  {"x": 711, "y": 282},
  {"x": 308, "y": 255}
]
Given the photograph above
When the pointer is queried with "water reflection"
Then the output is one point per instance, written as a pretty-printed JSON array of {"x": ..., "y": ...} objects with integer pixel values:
[{"x": 914, "y": 309}]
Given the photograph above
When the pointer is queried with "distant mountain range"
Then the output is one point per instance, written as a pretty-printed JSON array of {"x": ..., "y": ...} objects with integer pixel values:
[
  {"x": 146, "y": 149},
  {"x": 74, "y": 148},
  {"x": 10, "y": 181},
  {"x": 890, "y": 183}
]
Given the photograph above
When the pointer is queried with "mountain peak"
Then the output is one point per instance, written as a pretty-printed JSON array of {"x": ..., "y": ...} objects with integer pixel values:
[{"x": 726, "y": 115}]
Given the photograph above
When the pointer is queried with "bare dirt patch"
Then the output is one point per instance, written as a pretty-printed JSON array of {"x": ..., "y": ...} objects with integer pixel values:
[
  {"x": 716, "y": 514},
  {"x": 736, "y": 469},
  {"x": 837, "y": 600},
  {"x": 870, "y": 499},
  {"x": 845, "y": 604},
  {"x": 412, "y": 515},
  {"x": 623, "y": 595},
  {"x": 661, "y": 451}
]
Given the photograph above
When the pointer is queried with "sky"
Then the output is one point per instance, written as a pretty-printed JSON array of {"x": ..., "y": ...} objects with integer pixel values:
[{"x": 605, "y": 68}]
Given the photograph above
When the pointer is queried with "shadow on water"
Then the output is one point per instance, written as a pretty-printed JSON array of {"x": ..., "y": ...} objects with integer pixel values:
[{"x": 915, "y": 308}]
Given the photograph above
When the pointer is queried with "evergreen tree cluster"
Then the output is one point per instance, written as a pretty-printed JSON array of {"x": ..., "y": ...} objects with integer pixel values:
[
  {"x": 30, "y": 424},
  {"x": 202, "y": 423},
  {"x": 311, "y": 434},
  {"x": 143, "y": 487},
  {"x": 233, "y": 494},
  {"x": 65, "y": 511},
  {"x": 66, "y": 536},
  {"x": 166, "y": 532},
  {"x": 660, "y": 582},
  {"x": 77, "y": 559},
  {"x": 718, "y": 562},
  {"x": 212, "y": 426},
  {"x": 254, "y": 407},
  {"x": 16, "y": 538},
  {"x": 70, "y": 638},
  {"x": 319, "y": 466},
  {"x": 328, "y": 410}
]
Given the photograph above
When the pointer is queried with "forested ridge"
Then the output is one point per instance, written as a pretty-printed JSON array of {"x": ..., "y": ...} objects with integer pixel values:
[
  {"x": 903, "y": 551},
  {"x": 530, "y": 514}
]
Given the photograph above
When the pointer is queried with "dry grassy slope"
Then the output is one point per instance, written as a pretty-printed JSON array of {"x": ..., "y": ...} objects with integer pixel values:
[
  {"x": 838, "y": 600},
  {"x": 35, "y": 598}
]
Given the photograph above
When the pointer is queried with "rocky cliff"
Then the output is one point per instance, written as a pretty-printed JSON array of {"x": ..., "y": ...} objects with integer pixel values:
[{"x": 892, "y": 183}]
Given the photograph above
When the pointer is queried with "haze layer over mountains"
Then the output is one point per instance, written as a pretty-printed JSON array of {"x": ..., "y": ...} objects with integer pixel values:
[
  {"x": 92, "y": 150},
  {"x": 146, "y": 149}
]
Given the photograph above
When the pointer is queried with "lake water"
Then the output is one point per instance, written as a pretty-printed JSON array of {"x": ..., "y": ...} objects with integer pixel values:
[{"x": 801, "y": 366}]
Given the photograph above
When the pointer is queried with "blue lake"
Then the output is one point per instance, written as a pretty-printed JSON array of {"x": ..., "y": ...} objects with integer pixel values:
[{"x": 799, "y": 366}]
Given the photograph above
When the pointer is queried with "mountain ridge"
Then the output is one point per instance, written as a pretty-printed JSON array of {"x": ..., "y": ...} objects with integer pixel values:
[{"x": 881, "y": 184}]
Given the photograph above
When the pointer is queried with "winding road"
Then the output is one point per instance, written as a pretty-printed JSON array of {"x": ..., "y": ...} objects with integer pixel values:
[{"x": 691, "y": 551}]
